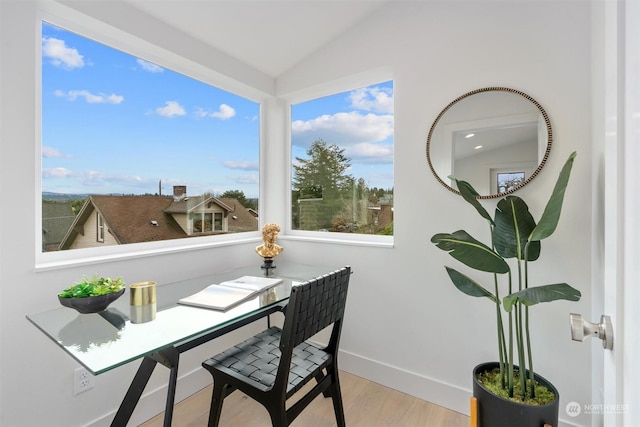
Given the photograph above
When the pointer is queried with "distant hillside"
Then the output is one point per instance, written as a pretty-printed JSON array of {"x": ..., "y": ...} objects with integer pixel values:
[{"x": 46, "y": 195}]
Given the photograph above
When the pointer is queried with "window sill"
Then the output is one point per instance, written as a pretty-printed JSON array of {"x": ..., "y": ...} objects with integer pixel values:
[
  {"x": 340, "y": 238},
  {"x": 78, "y": 257}
]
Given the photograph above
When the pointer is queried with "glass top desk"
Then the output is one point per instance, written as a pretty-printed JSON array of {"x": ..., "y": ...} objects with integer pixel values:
[{"x": 103, "y": 341}]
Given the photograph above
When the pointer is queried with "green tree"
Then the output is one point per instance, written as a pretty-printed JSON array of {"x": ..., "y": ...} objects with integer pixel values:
[
  {"x": 321, "y": 185},
  {"x": 76, "y": 205},
  {"x": 236, "y": 194}
]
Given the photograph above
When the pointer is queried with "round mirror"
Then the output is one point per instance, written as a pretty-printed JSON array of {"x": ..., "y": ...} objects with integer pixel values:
[{"x": 495, "y": 138}]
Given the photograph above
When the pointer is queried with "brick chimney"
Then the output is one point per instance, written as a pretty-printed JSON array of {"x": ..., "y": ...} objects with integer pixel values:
[{"x": 179, "y": 192}]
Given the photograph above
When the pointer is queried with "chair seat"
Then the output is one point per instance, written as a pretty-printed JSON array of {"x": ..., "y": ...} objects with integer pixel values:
[{"x": 256, "y": 361}]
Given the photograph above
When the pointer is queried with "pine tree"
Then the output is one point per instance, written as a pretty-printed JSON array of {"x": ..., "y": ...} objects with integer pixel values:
[{"x": 320, "y": 185}]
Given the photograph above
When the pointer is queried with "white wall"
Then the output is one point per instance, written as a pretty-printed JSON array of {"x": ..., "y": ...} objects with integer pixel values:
[{"x": 406, "y": 327}]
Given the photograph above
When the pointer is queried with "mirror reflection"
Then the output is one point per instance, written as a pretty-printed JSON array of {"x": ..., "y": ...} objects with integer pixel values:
[{"x": 496, "y": 138}]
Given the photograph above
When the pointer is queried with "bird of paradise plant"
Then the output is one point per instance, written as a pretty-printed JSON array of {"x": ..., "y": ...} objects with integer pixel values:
[{"x": 514, "y": 235}]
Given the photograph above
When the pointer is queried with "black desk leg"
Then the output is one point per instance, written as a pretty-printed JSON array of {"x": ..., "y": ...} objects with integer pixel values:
[
  {"x": 134, "y": 393},
  {"x": 168, "y": 357}
]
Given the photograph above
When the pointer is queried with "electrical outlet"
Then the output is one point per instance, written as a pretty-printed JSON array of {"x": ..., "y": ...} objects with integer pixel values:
[{"x": 82, "y": 380}]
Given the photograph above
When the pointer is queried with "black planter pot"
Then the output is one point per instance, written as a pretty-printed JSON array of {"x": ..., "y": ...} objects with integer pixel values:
[
  {"x": 89, "y": 305},
  {"x": 494, "y": 411}
]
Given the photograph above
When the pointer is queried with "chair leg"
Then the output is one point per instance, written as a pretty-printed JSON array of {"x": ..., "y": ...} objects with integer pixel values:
[
  {"x": 319, "y": 377},
  {"x": 278, "y": 417},
  {"x": 219, "y": 393},
  {"x": 336, "y": 396}
]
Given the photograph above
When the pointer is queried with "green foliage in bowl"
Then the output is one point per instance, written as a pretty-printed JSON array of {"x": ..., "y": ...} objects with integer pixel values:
[{"x": 93, "y": 287}]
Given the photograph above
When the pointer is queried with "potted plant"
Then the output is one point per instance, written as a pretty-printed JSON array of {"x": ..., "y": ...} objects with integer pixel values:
[
  {"x": 509, "y": 393},
  {"x": 92, "y": 295}
]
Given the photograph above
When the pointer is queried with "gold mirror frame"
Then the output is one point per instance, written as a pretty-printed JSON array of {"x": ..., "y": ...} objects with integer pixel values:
[{"x": 483, "y": 90}]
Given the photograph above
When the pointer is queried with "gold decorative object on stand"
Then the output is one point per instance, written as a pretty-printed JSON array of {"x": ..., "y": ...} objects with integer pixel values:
[{"x": 269, "y": 249}]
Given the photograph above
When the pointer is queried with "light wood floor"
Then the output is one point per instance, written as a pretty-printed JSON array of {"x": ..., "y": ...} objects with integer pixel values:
[{"x": 366, "y": 404}]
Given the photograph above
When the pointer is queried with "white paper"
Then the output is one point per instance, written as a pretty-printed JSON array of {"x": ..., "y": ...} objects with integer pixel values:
[
  {"x": 228, "y": 294},
  {"x": 253, "y": 283}
]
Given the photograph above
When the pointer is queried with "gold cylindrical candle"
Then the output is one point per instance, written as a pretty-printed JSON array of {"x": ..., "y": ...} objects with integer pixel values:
[
  {"x": 143, "y": 302},
  {"x": 143, "y": 293}
]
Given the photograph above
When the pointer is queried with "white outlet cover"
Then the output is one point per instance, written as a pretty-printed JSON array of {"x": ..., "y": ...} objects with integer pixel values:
[{"x": 82, "y": 380}]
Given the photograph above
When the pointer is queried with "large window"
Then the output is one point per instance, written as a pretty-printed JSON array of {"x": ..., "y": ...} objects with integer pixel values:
[
  {"x": 342, "y": 151},
  {"x": 152, "y": 153}
]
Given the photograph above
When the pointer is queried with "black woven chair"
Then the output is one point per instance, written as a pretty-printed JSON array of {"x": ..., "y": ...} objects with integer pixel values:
[{"x": 275, "y": 364}]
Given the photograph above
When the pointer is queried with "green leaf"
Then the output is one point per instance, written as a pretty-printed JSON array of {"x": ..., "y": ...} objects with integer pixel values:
[
  {"x": 471, "y": 195},
  {"x": 538, "y": 294},
  {"x": 468, "y": 286},
  {"x": 95, "y": 286},
  {"x": 513, "y": 226},
  {"x": 551, "y": 215},
  {"x": 470, "y": 252}
]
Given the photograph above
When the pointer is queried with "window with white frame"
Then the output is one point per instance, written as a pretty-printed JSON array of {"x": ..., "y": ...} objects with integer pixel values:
[
  {"x": 100, "y": 227},
  {"x": 143, "y": 140},
  {"x": 342, "y": 162}
]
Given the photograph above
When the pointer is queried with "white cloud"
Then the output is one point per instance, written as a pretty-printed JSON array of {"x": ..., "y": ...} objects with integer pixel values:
[
  {"x": 50, "y": 152},
  {"x": 244, "y": 179},
  {"x": 231, "y": 164},
  {"x": 370, "y": 153},
  {"x": 363, "y": 136},
  {"x": 60, "y": 55},
  {"x": 224, "y": 112},
  {"x": 171, "y": 109},
  {"x": 89, "y": 97},
  {"x": 375, "y": 99},
  {"x": 149, "y": 66},
  {"x": 343, "y": 129},
  {"x": 56, "y": 173},
  {"x": 92, "y": 178}
]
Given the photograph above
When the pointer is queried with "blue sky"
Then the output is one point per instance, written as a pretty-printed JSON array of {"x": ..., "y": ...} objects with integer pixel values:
[
  {"x": 360, "y": 121},
  {"x": 112, "y": 123}
]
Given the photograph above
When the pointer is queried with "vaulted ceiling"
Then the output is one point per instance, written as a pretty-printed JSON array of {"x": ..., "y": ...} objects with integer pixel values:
[{"x": 268, "y": 35}]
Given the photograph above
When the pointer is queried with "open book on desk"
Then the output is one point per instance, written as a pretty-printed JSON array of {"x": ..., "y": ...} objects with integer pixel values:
[{"x": 227, "y": 294}]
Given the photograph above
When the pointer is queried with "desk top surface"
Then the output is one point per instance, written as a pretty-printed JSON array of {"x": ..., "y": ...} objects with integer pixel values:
[{"x": 106, "y": 340}]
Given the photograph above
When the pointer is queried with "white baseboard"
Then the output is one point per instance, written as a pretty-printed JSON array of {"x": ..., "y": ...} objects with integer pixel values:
[
  {"x": 153, "y": 401},
  {"x": 429, "y": 389}
]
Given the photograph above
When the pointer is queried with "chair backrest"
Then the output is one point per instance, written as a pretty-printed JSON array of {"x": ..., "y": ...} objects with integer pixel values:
[{"x": 313, "y": 306}]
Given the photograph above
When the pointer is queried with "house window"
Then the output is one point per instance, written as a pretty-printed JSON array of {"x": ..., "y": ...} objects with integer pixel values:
[
  {"x": 202, "y": 222},
  {"x": 100, "y": 227},
  {"x": 217, "y": 221},
  {"x": 140, "y": 141},
  {"x": 342, "y": 162}
]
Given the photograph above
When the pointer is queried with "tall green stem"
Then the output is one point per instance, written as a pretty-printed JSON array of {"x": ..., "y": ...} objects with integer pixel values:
[
  {"x": 520, "y": 333},
  {"x": 529, "y": 352},
  {"x": 510, "y": 357},
  {"x": 532, "y": 390},
  {"x": 502, "y": 349},
  {"x": 502, "y": 346},
  {"x": 521, "y": 361}
]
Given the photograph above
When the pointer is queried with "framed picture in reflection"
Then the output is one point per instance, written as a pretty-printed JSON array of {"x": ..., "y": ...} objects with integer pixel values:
[{"x": 509, "y": 180}]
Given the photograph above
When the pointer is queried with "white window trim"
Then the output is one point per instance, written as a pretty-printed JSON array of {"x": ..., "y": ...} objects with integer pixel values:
[
  {"x": 72, "y": 20},
  {"x": 99, "y": 227}
]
